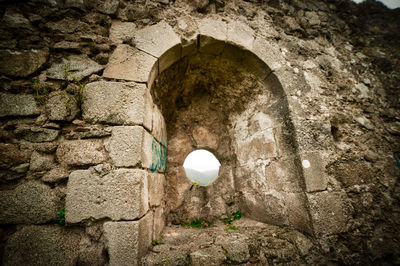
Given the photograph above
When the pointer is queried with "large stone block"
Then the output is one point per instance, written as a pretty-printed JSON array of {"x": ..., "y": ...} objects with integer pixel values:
[
  {"x": 159, "y": 127},
  {"x": 17, "y": 105},
  {"x": 29, "y": 203},
  {"x": 240, "y": 34},
  {"x": 43, "y": 245},
  {"x": 213, "y": 34},
  {"x": 156, "y": 189},
  {"x": 129, "y": 64},
  {"x": 130, "y": 146},
  {"x": 22, "y": 63},
  {"x": 121, "y": 32},
  {"x": 159, "y": 222},
  {"x": 127, "y": 242},
  {"x": 118, "y": 103},
  {"x": 314, "y": 172},
  {"x": 158, "y": 157},
  {"x": 160, "y": 41},
  {"x": 330, "y": 212},
  {"x": 120, "y": 195},
  {"x": 81, "y": 152},
  {"x": 41, "y": 162},
  {"x": 80, "y": 66}
]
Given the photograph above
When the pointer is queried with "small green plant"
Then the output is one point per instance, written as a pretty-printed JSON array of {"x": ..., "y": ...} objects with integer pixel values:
[
  {"x": 61, "y": 216},
  {"x": 39, "y": 92},
  {"x": 157, "y": 242},
  {"x": 235, "y": 216},
  {"x": 196, "y": 183},
  {"x": 196, "y": 223},
  {"x": 231, "y": 227},
  {"x": 78, "y": 94}
]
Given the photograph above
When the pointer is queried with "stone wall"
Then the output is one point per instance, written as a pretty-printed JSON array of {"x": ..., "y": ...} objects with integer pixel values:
[{"x": 90, "y": 91}]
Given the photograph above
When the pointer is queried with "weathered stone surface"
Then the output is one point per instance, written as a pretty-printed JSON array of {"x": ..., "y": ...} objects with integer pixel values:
[
  {"x": 92, "y": 254},
  {"x": 81, "y": 152},
  {"x": 37, "y": 134},
  {"x": 130, "y": 146},
  {"x": 236, "y": 248},
  {"x": 107, "y": 7},
  {"x": 122, "y": 32},
  {"x": 269, "y": 52},
  {"x": 314, "y": 172},
  {"x": 330, "y": 212},
  {"x": 159, "y": 222},
  {"x": 127, "y": 241},
  {"x": 159, "y": 129},
  {"x": 186, "y": 27},
  {"x": 130, "y": 64},
  {"x": 117, "y": 103},
  {"x": 160, "y": 41},
  {"x": 29, "y": 203},
  {"x": 80, "y": 66},
  {"x": 120, "y": 195},
  {"x": 156, "y": 189},
  {"x": 41, "y": 245},
  {"x": 41, "y": 162},
  {"x": 22, "y": 63},
  {"x": 55, "y": 175},
  {"x": 16, "y": 20},
  {"x": 10, "y": 156},
  {"x": 61, "y": 106},
  {"x": 207, "y": 256},
  {"x": 240, "y": 34},
  {"x": 204, "y": 138},
  {"x": 213, "y": 34},
  {"x": 17, "y": 105},
  {"x": 158, "y": 157}
]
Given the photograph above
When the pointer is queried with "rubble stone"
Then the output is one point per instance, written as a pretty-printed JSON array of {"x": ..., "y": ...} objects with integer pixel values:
[
  {"x": 22, "y": 63},
  {"x": 18, "y": 105},
  {"x": 80, "y": 67}
]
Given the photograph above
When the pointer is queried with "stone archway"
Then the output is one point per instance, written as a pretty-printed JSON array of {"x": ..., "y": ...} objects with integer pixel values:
[{"x": 160, "y": 84}]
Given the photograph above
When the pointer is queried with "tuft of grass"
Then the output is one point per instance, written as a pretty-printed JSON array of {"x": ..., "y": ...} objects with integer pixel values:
[
  {"x": 39, "y": 92},
  {"x": 234, "y": 217},
  {"x": 157, "y": 242},
  {"x": 196, "y": 223},
  {"x": 61, "y": 216},
  {"x": 231, "y": 227}
]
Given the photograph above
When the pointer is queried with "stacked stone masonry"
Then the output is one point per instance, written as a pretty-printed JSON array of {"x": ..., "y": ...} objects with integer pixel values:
[{"x": 101, "y": 101}]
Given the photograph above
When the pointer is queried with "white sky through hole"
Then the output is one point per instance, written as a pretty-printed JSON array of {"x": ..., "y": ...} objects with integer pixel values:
[
  {"x": 389, "y": 3},
  {"x": 201, "y": 167}
]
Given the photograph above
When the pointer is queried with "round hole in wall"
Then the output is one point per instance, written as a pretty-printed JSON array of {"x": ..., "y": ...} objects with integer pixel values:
[{"x": 201, "y": 167}]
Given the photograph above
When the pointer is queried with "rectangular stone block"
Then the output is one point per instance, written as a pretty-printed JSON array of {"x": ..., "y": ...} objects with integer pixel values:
[
  {"x": 117, "y": 103},
  {"x": 159, "y": 127},
  {"x": 130, "y": 146},
  {"x": 128, "y": 241},
  {"x": 129, "y": 64},
  {"x": 330, "y": 212},
  {"x": 156, "y": 188},
  {"x": 120, "y": 195},
  {"x": 81, "y": 152},
  {"x": 17, "y": 105},
  {"x": 213, "y": 34},
  {"x": 314, "y": 171},
  {"x": 122, "y": 31},
  {"x": 159, "y": 222},
  {"x": 240, "y": 34}
]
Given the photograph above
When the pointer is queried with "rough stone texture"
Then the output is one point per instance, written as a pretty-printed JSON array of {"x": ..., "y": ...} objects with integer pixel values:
[
  {"x": 37, "y": 134},
  {"x": 17, "y": 105},
  {"x": 60, "y": 106},
  {"x": 159, "y": 222},
  {"x": 55, "y": 175},
  {"x": 129, "y": 64},
  {"x": 41, "y": 162},
  {"x": 81, "y": 152},
  {"x": 107, "y": 7},
  {"x": 11, "y": 155},
  {"x": 117, "y": 103},
  {"x": 269, "y": 52},
  {"x": 22, "y": 63},
  {"x": 240, "y": 34},
  {"x": 330, "y": 212},
  {"x": 236, "y": 248},
  {"x": 159, "y": 129},
  {"x": 207, "y": 256},
  {"x": 204, "y": 138},
  {"x": 127, "y": 241},
  {"x": 212, "y": 32},
  {"x": 80, "y": 66},
  {"x": 120, "y": 195},
  {"x": 122, "y": 32},
  {"x": 130, "y": 146},
  {"x": 29, "y": 203},
  {"x": 156, "y": 188},
  {"x": 314, "y": 172},
  {"x": 41, "y": 245}
]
